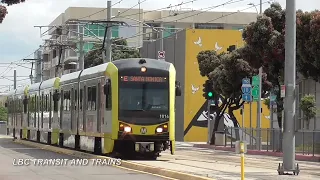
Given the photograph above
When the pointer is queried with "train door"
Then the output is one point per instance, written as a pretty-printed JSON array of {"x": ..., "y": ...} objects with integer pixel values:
[
  {"x": 49, "y": 108},
  {"x": 73, "y": 109},
  {"x": 42, "y": 109},
  {"x": 99, "y": 111},
  {"x": 85, "y": 107}
]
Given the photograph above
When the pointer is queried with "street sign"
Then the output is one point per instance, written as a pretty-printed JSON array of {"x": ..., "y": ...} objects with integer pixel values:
[
  {"x": 161, "y": 54},
  {"x": 246, "y": 90},
  {"x": 283, "y": 91},
  {"x": 256, "y": 88}
]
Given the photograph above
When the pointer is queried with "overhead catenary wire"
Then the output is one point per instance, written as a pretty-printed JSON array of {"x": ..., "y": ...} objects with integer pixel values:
[
  {"x": 216, "y": 6},
  {"x": 202, "y": 10},
  {"x": 167, "y": 7},
  {"x": 84, "y": 17}
]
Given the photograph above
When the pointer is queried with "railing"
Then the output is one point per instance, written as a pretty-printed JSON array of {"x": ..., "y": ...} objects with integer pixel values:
[{"x": 307, "y": 142}]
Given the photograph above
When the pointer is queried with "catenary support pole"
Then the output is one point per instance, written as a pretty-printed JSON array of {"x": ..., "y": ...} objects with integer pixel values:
[
  {"x": 290, "y": 81},
  {"x": 81, "y": 53},
  {"x": 109, "y": 33},
  {"x": 15, "y": 79}
]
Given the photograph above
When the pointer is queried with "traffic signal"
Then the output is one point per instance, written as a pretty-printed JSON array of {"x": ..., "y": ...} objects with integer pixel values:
[
  {"x": 231, "y": 48},
  {"x": 208, "y": 90}
]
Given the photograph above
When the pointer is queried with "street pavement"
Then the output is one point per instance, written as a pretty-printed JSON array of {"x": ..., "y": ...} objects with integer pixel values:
[
  {"x": 222, "y": 165},
  {"x": 9, "y": 170}
]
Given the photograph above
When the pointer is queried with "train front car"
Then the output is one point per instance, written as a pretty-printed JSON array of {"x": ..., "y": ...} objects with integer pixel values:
[{"x": 145, "y": 103}]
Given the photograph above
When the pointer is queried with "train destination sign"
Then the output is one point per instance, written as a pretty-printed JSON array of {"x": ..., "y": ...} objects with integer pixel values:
[{"x": 143, "y": 79}]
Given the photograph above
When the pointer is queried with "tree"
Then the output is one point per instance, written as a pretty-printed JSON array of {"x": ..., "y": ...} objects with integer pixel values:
[
  {"x": 3, "y": 113},
  {"x": 308, "y": 52},
  {"x": 308, "y": 107},
  {"x": 3, "y": 9},
  {"x": 120, "y": 50},
  {"x": 264, "y": 47},
  {"x": 226, "y": 72}
]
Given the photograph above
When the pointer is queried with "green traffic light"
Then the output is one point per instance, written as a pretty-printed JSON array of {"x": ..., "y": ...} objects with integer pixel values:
[{"x": 210, "y": 94}]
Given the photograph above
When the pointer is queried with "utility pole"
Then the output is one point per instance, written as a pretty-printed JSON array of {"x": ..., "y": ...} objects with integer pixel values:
[
  {"x": 140, "y": 42},
  {"x": 81, "y": 53},
  {"x": 15, "y": 79},
  {"x": 109, "y": 33},
  {"x": 259, "y": 139},
  {"x": 161, "y": 37},
  {"x": 290, "y": 97}
]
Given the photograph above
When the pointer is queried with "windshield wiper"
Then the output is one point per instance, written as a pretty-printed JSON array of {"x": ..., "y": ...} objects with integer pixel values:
[{"x": 138, "y": 110}]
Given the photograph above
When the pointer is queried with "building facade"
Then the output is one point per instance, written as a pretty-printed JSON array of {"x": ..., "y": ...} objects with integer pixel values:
[{"x": 62, "y": 49}]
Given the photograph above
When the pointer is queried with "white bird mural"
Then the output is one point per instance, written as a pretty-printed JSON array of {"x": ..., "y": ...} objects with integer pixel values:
[
  {"x": 194, "y": 89},
  {"x": 217, "y": 47},
  {"x": 199, "y": 42}
]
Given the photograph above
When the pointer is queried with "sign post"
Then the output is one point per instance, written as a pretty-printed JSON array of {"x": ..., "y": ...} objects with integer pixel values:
[{"x": 246, "y": 89}]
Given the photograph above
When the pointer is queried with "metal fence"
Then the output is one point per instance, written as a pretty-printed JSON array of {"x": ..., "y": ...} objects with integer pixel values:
[{"x": 307, "y": 142}]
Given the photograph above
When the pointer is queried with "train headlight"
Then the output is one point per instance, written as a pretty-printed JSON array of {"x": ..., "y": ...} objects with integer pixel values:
[
  {"x": 143, "y": 69},
  {"x": 159, "y": 130},
  {"x": 127, "y": 129}
]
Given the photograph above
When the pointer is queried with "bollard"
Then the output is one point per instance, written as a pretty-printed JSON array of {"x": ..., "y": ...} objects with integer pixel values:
[{"x": 242, "y": 159}]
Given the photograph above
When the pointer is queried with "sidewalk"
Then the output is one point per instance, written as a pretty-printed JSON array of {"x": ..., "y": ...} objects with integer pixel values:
[
  {"x": 225, "y": 165},
  {"x": 299, "y": 157}
]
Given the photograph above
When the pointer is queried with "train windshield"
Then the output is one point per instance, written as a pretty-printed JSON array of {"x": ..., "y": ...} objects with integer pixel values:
[
  {"x": 144, "y": 97},
  {"x": 143, "y": 102}
]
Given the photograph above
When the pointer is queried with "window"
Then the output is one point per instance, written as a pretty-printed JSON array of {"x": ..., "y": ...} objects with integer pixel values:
[
  {"x": 144, "y": 97},
  {"x": 66, "y": 101},
  {"x": 108, "y": 103},
  {"x": 115, "y": 31},
  {"x": 81, "y": 96},
  {"x": 92, "y": 98},
  {"x": 168, "y": 31},
  {"x": 75, "y": 99}
]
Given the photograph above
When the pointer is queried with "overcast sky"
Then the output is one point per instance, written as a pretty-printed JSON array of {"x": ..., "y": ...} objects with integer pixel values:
[{"x": 19, "y": 38}]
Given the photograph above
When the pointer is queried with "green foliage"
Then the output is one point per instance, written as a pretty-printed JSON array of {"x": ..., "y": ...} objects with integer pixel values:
[
  {"x": 266, "y": 102},
  {"x": 3, "y": 9},
  {"x": 308, "y": 51},
  {"x": 3, "y": 113},
  {"x": 308, "y": 107},
  {"x": 119, "y": 51}
]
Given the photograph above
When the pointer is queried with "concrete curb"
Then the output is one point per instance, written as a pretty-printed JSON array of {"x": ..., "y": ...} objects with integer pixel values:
[
  {"x": 125, "y": 164},
  {"x": 299, "y": 157}
]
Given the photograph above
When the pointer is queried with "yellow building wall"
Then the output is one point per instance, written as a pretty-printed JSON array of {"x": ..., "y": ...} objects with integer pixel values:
[{"x": 199, "y": 40}]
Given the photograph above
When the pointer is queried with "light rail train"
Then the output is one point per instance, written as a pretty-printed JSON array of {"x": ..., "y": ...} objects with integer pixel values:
[{"x": 126, "y": 106}]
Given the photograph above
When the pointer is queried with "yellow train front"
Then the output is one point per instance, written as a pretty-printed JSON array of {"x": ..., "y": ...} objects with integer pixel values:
[{"x": 143, "y": 95}]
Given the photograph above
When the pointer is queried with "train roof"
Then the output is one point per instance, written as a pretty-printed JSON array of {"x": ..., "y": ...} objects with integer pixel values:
[
  {"x": 22, "y": 90},
  {"x": 50, "y": 83},
  {"x": 11, "y": 93},
  {"x": 34, "y": 87},
  {"x": 135, "y": 63},
  {"x": 70, "y": 78},
  {"x": 95, "y": 71}
]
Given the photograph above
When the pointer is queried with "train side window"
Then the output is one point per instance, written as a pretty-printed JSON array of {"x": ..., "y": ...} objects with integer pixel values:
[
  {"x": 81, "y": 94},
  {"x": 75, "y": 99},
  {"x": 108, "y": 97},
  {"x": 94, "y": 98},
  {"x": 35, "y": 111},
  {"x": 47, "y": 104},
  {"x": 89, "y": 105}
]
